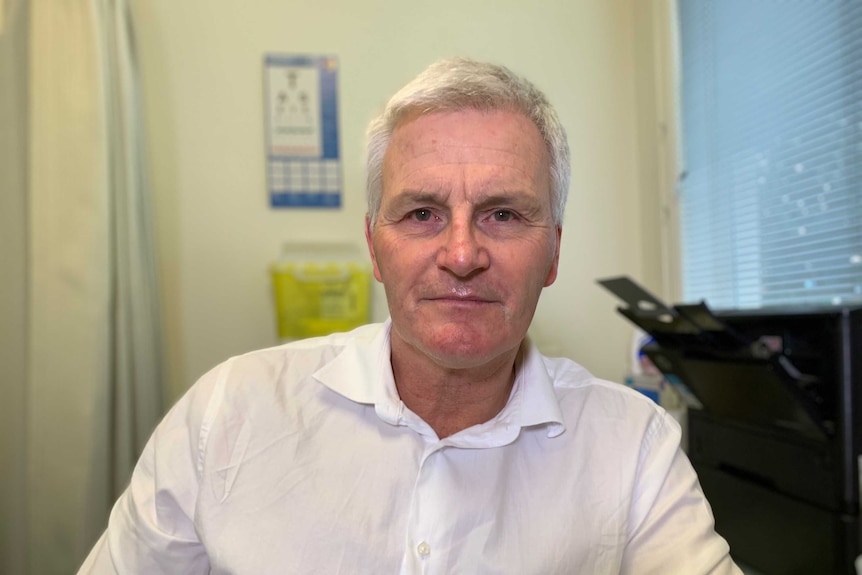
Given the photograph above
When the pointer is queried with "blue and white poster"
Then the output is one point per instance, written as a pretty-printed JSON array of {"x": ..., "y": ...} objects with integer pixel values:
[{"x": 302, "y": 131}]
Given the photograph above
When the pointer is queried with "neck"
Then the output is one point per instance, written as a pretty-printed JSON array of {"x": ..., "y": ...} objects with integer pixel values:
[{"x": 452, "y": 399}]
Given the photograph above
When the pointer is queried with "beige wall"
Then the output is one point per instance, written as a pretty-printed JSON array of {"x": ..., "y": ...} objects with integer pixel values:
[
  {"x": 656, "y": 117},
  {"x": 202, "y": 71}
]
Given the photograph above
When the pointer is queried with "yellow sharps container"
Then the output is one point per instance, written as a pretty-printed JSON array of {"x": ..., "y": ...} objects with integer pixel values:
[{"x": 320, "y": 289}]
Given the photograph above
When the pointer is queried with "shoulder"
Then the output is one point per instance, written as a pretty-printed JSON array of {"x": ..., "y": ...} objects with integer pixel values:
[
  {"x": 269, "y": 375},
  {"x": 250, "y": 398},
  {"x": 587, "y": 399},
  {"x": 293, "y": 360}
]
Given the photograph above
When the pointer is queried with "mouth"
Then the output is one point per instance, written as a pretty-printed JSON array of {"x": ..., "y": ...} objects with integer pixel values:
[
  {"x": 463, "y": 296},
  {"x": 459, "y": 300}
]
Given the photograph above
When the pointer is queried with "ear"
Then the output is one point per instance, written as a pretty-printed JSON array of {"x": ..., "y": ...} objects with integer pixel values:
[
  {"x": 552, "y": 272},
  {"x": 370, "y": 242}
]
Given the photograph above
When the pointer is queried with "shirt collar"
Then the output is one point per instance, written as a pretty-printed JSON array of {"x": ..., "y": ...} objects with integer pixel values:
[
  {"x": 539, "y": 403},
  {"x": 362, "y": 372}
]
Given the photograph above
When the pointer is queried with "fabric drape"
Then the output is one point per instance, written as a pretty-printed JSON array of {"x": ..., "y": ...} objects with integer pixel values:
[{"x": 92, "y": 378}]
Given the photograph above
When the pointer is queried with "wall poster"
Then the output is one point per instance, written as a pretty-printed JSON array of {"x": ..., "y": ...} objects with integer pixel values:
[{"x": 301, "y": 114}]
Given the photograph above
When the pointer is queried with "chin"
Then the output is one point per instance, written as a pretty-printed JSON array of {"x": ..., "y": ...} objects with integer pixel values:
[{"x": 467, "y": 352}]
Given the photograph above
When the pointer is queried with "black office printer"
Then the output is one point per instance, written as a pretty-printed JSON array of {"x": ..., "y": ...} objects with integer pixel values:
[{"x": 776, "y": 439}]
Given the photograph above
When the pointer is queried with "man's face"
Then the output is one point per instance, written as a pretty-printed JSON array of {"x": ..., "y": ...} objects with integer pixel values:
[{"x": 465, "y": 239}]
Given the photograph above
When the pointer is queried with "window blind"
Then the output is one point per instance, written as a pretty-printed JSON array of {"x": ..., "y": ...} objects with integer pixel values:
[{"x": 771, "y": 124}]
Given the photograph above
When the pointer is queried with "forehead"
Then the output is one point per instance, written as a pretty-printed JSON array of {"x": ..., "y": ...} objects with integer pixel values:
[{"x": 503, "y": 142}]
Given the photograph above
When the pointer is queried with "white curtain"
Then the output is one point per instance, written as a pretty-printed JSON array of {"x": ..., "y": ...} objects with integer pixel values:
[
  {"x": 90, "y": 386},
  {"x": 13, "y": 286}
]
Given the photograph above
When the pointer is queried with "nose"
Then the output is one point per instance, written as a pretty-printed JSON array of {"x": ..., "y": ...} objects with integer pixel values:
[{"x": 462, "y": 254}]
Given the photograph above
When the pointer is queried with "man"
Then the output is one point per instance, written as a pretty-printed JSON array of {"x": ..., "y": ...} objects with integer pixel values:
[{"x": 440, "y": 441}]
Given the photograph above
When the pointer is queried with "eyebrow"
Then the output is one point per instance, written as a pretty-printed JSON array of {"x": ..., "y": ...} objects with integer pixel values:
[
  {"x": 437, "y": 197},
  {"x": 418, "y": 197},
  {"x": 423, "y": 196},
  {"x": 518, "y": 198}
]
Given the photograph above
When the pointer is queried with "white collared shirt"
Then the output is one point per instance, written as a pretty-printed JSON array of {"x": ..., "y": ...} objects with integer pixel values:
[{"x": 303, "y": 459}]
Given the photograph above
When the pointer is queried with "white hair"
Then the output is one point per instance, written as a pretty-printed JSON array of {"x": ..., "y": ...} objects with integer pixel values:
[{"x": 455, "y": 84}]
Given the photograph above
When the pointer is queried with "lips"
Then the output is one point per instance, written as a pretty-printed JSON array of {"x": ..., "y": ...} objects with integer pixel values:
[
  {"x": 462, "y": 294},
  {"x": 459, "y": 300}
]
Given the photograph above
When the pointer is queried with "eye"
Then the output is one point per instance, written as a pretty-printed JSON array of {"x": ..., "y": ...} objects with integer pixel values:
[
  {"x": 422, "y": 215},
  {"x": 503, "y": 216}
]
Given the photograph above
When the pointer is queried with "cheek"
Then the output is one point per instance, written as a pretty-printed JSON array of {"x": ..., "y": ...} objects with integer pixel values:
[
  {"x": 528, "y": 274},
  {"x": 528, "y": 259},
  {"x": 390, "y": 263}
]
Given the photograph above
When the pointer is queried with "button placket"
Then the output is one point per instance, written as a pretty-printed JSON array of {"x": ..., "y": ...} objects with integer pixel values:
[
  {"x": 423, "y": 549},
  {"x": 420, "y": 532}
]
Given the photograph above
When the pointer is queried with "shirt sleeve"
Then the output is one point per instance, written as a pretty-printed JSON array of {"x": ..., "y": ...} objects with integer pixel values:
[
  {"x": 672, "y": 530},
  {"x": 151, "y": 527}
]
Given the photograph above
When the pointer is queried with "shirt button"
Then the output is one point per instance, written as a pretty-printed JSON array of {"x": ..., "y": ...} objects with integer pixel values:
[{"x": 423, "y": 549}]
